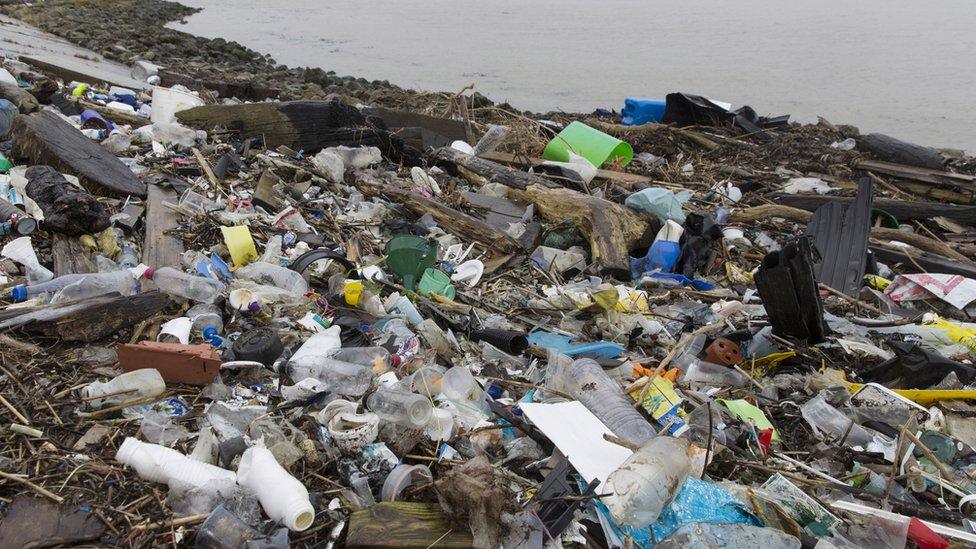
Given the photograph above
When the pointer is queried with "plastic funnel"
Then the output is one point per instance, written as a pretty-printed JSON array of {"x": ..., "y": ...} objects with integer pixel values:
[
  {"x": 592, "y": 144},
  {"x": 20, "y": 250},
  {"x": 409, "y": 256}
]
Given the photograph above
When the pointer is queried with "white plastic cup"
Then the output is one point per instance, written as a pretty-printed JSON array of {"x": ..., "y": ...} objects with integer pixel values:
[{"x": 176, "y": 331}]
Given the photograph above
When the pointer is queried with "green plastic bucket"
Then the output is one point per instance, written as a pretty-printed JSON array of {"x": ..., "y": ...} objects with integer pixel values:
[{"x": 590, "y": 143}]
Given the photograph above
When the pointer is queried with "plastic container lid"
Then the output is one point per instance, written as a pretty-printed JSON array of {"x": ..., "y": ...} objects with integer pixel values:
[{"x": 19, "y": 293}]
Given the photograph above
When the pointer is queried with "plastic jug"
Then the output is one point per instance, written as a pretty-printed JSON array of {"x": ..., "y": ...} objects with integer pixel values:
[
  {"x": 638, "y": 110},
  {"x": 129, "y": 386},
  {"x": 282, "y": 496},
  {"x": 647, "y": 481}
]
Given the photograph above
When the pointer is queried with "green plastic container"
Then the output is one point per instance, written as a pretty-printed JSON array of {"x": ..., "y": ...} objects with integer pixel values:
[
  {"x": 5, "y": 165},
  {"x": 590, "y": 143},
  {"x": 436, "y": 282},
  {"x": 409, "y": 256}
]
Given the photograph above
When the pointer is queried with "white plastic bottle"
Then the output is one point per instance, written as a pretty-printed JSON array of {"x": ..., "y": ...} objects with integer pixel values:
[
  {"x": 96, "y": 284},
  {"x": 270, "y": 274},
  {"x": 282, "y": 496},
  {"x": 403, "y": 408},
  {"x": 177, "y": 283},
  {"x": 647, "y": 481},
  {"x": 129, "y": 386},
  {"x": 161, "y": 464}
]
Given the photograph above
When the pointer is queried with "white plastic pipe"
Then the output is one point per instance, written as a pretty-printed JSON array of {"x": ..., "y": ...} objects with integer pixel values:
[
  {"x": 282, "y": 496},
  {"x": 161, "y": 464}
]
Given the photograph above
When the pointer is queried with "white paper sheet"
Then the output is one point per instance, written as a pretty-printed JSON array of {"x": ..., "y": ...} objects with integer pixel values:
[{"x": 579, "y": 436}]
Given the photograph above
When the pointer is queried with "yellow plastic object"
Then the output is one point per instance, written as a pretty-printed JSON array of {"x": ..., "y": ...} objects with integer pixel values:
[
  {"x": 877, "y": 282},
  {"x": 762, "y": 366},
  {"x": 88, "y": 241},
  {"x": 658, "y": 397},
  {"x": 108, "y": 245},
  {"x": 240, "y": 244},
  {"x": 926, "y": 397},
  {"x": 79, "y": 90},
  {"x": 353, "y": 292},
  {"x": 955, "y": 332}
]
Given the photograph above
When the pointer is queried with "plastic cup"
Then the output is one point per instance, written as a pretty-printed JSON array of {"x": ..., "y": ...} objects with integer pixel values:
[
  {"x": 409, "y": 311},
  {"x": 436, "y": 282},
  {"x": 590, "y": 143},
  {"x": 176, "y": 331}
]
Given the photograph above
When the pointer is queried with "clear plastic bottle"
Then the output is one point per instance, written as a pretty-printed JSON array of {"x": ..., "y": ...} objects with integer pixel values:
[
  {"x": 491, "y": 140},
  {"x": 270, "y": 274},
  {"x": 589, "y": 384},
  {"x": 828, "y": 420},
  {"x": 124, "y": 388},
  {"x": 647, "y": 481},
  {"x": 207, "y": 321},
  {"x": 461, "y": 388},
  {"x": 377, "y": 358},
  {"x": 405, "y": 409},
  {"x": 344, "y": 378},
  {"x": 51, "y": 287},
  {"x": 406, "y": 341},
  {"x": 95, "y": 284},
  {"x": 128, "y": 257},
  {"x": 177, "y": 283}
]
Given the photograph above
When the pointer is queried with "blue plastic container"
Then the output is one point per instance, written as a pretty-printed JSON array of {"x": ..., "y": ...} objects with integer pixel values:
[{"x": 639, "y": 111}]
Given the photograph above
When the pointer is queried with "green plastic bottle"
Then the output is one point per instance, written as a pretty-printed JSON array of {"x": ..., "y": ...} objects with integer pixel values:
[{"x": 5, "y": 165}]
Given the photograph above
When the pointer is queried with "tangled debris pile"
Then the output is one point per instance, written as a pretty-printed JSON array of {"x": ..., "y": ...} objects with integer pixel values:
[{"x": 309, "y": 323}]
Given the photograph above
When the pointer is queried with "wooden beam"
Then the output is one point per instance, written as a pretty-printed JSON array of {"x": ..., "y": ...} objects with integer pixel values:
[
  {"x": 406, "y": 524},
  {"x": 102, "y": 317},
  {"x": 626, "y": 180},
  {"x": 44, "y": 138},
  {"x": 70, "y": 256},
  {"x": 901, "y": 209},
  {"x": 960, "y": 181},
  {"x": 160, "y": 249},
  {"x": 492, "y": 171}
]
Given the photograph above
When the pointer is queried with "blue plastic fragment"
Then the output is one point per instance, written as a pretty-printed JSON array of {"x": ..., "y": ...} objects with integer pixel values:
[
  {"x": 564, "y": 345},
  {"x": 638, "y": 110}
]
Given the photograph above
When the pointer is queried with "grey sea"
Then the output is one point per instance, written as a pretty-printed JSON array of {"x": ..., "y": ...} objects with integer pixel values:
[{"x": 902, "y": 67}]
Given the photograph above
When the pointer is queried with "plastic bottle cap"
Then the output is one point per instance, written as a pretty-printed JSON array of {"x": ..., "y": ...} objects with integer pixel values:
[
  {"x": 149, "y": 273},
  {"x": 209, "y": 332},
  {"x": 19, "y": 293}
]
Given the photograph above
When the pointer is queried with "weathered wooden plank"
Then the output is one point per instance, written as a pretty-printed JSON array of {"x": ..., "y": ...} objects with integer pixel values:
[
  {"x": 901, "y": 209},
  {"x": 492, "y": 171},
  {"x": 405, "y": 524},
  {"x": 103, "y": 317},
  {"x": 70, "y": 256},
  {"x": 938, "y": 177},
  {"x": 44, "y": 138},
  {"x": 626, "y": 180},
  {"x": 160, "y": 249}
]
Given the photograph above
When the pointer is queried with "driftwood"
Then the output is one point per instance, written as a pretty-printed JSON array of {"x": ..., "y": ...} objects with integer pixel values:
[
  {"x": 70, "y": 256},
  {"x": 797, "y": 215},
  {"x": 21, "y": 98},
  {"x": 90, "y": 319},
  {"x": 901, "y": 209},
  {"x": 959, "y": 181},
  {"x": 44, "y": 138},
  {"x": 459, "y": 223},
  {"x": 625, "y": 180},
  {"x": 300, "y": 125},
  {"x": 405, "y": 524},
  {"x": 492, "y": 171},
  {"x": 67, "y": 209},
  {"x": 889, "y": 149},
  {"x": 160, "y": 249},
  {"x": 241, "y": 90},
  {"x": 613, "y": 230}
]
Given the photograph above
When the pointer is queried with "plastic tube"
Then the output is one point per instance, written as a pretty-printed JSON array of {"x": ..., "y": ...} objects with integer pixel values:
[
  {"x": 282, "y": 496},
  {"x": 160, "y": 464}
]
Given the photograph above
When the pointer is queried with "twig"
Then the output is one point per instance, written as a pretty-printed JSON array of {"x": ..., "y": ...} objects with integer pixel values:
[
  {"x": 14, "y": 411},
  {"x": 39, "y": 489}
]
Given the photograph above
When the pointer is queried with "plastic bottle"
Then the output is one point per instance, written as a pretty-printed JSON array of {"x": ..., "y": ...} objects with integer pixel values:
[
  {"x": 406, "y": 341},
  {"x": 223, "y": 530},
  {"x": 491, "y": 140},
  {"x": 828, "y": 420},
  {"x": 647, "y": 480},
  {"x": 208, "y": 322},
  {"x": 344, "y": 378},
  {"x": 273, "y": 275},
  {"x": 129, "y": 386},
  {"x": 461, "y": 388},
  {"x": 128, "y": 257},
  {"x": 282, "y": 496},
  {"x": 30, "y": 291},
  {"x": 378, "y": 358},
  {"x": 405, "y": 409},
  {"x": 589, "y": 384},
  {"x": 161, "y": 464},
  {"x": 177, "y": 283},
  {"x": 95, "y": 284}
]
